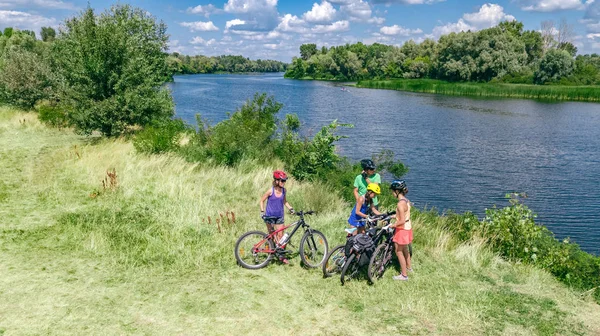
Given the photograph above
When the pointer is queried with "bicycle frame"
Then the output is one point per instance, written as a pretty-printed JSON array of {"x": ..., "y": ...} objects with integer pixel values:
[{"x": 272, "y": 234}]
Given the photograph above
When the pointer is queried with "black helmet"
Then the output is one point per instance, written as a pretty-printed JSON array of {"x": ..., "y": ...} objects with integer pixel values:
[
  {"x": 399, "y": 185},
  {"x": 367, "y": 164}
]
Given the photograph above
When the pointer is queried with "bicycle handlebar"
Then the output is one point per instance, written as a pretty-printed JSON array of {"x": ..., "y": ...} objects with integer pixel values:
[{"x": 302, "y": 213}]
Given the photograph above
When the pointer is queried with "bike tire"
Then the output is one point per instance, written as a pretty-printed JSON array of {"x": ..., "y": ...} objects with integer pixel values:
[
  {"x": 313, "y": 248},
  {"x": 335, "y": 265},
  {"x": 244, "y": 245},
  {"x": 350, "y": 269},
  {"x": 377, "y": 263}
]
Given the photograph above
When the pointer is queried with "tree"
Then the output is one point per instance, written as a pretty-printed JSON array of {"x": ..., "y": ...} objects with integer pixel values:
[
  {"x": 534, "y": 45},
  {"x": 568, "y": 47},
  {"x": 548, "y": 31},
  {"x": 48, "y": 34},
  {"x": 8, "y": 31},
  {"x": 555, "y": 65},
  {"x": 113, "y": 66},
  {"x": 25, "y": 78},
  {"x": 307, "y": 50}
]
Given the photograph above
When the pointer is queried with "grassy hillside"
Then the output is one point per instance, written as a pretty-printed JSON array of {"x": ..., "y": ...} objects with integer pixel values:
[
  {"x": 521, "y": 91},
  {"x": 82, "y": 252}
]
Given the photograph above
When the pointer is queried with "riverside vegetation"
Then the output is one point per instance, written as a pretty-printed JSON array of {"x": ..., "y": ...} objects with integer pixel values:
[
  {"x": 135, "y": 234},
  {"x": 488, "y": 62}
]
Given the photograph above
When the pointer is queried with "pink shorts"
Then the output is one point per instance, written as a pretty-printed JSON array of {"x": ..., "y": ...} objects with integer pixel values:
[{"x": 403, "y": 237}]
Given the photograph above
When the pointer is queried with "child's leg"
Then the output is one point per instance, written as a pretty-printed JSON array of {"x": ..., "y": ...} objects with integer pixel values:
[
  {"x": 401, "y": 257},
  {"x": 406, "y": 256},
  {"x": 280, "y": 233}
]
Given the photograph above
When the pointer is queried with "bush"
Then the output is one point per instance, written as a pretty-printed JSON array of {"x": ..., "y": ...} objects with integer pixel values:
[
  {"x": 52, "y": 114},
  {"x": 25, "y": 78},
  {"x": 162, "y": 136}
]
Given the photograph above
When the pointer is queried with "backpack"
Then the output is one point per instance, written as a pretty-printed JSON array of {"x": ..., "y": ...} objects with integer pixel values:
[{"x": 363, "y": 244}]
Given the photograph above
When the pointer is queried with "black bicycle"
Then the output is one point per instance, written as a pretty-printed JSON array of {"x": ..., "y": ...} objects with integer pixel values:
[
  {"x": 356, "y": 254},
  {"x": 382, "y": 257},
  {"x": 254, "y": 249}
]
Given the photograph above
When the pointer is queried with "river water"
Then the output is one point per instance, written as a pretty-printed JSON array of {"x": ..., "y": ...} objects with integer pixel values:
[{"x": 464, "y": 154}]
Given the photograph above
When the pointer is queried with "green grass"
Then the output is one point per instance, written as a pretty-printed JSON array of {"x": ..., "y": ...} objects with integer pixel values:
[
  {"x": 141, "y": 257},
  {"x": 543, "y": 92}
]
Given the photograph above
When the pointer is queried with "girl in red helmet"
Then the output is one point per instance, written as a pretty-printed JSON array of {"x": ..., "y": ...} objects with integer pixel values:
[{"x": 276, "y": 200}]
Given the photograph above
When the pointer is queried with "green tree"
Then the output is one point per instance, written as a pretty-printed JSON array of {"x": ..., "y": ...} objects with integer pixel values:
[
  {"x": 8, "y": 31},
  {"x": 555, "y": 65},
  {"x": 113, "y": 66},
  {"x": 568, "y": 47},
  {"x": 48, "y": 34},
  {"x": 307, "y": 50}
]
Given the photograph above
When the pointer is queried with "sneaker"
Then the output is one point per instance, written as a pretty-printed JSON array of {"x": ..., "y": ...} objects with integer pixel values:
[
  {"x": 410, "y": 270},
  {"x": 400, "y": 277}
]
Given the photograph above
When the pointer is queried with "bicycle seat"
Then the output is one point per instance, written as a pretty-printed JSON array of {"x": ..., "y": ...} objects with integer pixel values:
[{"x": 350, "y": 230}]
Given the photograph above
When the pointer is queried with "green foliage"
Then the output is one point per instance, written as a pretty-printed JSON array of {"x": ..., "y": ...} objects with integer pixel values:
[
  {"x": 307, "y": 50},
  {"x": 8, "y": 31},
  {"x": 48, "y": 34},
  {"x": 114, "y": 71},
  {"x": 159, "y": 137},
  {"x": 505, "y": 53},
  {"x": 180, "y": 64},
  {"x": 555, "y": 65},
  {"x": 25, "y": 77},
  {"x": 51, "y": 114}
]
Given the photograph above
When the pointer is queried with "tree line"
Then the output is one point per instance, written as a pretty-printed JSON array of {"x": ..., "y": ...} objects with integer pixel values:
[
  {"x": 184, "y": 64},
  {"x": 504, "y": 53}
]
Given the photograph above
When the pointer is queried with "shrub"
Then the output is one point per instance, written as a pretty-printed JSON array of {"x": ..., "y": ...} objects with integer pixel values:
[
  {"x": 162, "y": 136},
  {"x": 52, "y": 114}
]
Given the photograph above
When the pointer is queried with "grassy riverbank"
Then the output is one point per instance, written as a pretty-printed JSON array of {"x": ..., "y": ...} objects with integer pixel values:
[
  {"x": 82, "y": 252},
  {"x": 547, "y": 92}
]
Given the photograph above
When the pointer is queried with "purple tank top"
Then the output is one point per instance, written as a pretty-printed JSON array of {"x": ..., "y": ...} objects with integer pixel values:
[{"x": 275, "y": 204}]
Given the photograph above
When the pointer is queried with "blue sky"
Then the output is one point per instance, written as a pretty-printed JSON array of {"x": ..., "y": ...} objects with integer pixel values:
[{"x": 276, "y": 28}]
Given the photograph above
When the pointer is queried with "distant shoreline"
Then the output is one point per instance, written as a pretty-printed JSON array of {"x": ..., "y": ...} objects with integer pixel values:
[{"x": 521, "y": 91}]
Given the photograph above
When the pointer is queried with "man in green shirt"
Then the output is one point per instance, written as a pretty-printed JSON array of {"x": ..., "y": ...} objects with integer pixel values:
[{"x": 367, "y": 176}]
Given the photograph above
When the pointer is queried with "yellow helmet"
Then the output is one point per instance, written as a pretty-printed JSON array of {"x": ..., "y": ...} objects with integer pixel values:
[{"x": 374, "y": 187}]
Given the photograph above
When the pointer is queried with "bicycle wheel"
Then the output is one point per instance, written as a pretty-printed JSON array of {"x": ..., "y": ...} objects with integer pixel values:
[
  {"x": 378, "y": 263},
  {"x": 334, "y": 262},
  {"x": 248, "y": 255},
  {"x": 350, "y": 269},
  {"x": 313, "y": 248}
]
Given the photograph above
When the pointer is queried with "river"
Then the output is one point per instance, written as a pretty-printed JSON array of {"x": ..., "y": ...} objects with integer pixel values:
[{"x": 464, "y": 154}]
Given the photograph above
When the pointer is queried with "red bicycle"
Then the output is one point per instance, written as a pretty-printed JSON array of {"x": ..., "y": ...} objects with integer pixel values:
[{"x": 255, "y": 249}]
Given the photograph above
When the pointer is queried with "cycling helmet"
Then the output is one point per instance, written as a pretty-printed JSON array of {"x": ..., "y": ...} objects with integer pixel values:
[
  {"x": 374, "y": 187},
  {"x": 399, "y": 185},
  {"x": 279, "y": 175},
  {"x": 367, "y": 164}
]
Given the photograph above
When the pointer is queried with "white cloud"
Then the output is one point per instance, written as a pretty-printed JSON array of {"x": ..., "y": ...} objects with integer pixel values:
[
  {"x": 357, "y": 10},
  {"x": 233, "y": 23},
  {"x": 488, "y": 16},
  {"x": 406, "y": 2},
  {"x": 553, "y": 5},
  {"x": 249, "y": 6},
  {"x": 200, "y": 26},
  {"x": 291, "y": 23},
  {"x": 54, "y": 4},
  {"x": 25, "y": 21},
  {"x": 336, "y": 27},
  {"x": 399, "y": 30},
  {"x": 323, "y": 13},
  {"x": 197, "y": 40},
  {"x": 376, "y": 20},
  {"x": 205, "y": 10}
]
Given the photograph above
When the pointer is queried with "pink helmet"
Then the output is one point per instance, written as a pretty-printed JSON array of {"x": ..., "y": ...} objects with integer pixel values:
[{"x": 279, "y": 175}]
